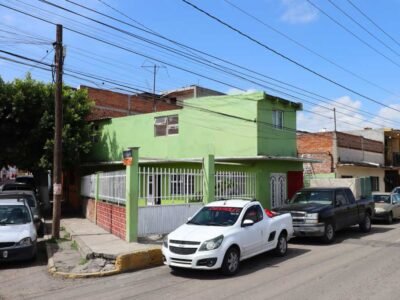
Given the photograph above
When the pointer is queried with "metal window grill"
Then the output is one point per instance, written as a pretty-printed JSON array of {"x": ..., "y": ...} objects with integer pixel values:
[
  {"x": 235, "y": 185},
  {"x": 112, "y": 186},
  {"x": 170, "y": 185}
]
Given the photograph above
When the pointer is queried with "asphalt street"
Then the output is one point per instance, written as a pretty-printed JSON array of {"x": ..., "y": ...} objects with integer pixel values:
[{"x": 357, "y": 266}]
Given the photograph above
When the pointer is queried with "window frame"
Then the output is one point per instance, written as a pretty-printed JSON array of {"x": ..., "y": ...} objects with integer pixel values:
[
  {"x": 277, "y": 116},
  {"x": 166, "y": 125}
]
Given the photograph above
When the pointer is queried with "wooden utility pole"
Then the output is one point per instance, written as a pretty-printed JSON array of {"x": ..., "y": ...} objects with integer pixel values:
[{"x": 57, "y": 158}]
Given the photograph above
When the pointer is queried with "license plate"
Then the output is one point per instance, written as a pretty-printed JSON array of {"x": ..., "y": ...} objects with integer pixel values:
[{"x": 5, "y": 254}]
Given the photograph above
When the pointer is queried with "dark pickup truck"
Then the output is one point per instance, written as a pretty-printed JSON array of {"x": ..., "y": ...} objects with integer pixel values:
[{"x": 323, "y": 211}]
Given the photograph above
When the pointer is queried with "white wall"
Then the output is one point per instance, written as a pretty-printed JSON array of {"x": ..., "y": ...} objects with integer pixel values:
[
  {"x": 373, "y": 134},
  {"x": 352, "y": 155},
  {"x": 356, "y": 171}
]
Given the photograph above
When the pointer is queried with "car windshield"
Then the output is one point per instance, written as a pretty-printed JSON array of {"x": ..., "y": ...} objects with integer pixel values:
[
  {"x": 381, "y": 198},
  {"x": 14, "y": 215},
  {"x": 319, "y": 197},
  {"x": 216, "y": 216}
]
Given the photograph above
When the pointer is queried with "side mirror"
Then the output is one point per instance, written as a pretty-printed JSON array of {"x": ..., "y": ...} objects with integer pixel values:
[
  {"x": 36, "y": 219},
  {"x": 189, "y": 219},
  {"x": 337, "y": 203},
  {"x": 287, "y": 201},
  {"x": 247, "y": 223}
]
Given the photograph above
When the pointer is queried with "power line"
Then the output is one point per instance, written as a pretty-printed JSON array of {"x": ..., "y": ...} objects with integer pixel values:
[
  {"x": 309, "y": 49},
  {"x": 243, "y": 78},
  {"x": 84, "y": 76},
  {"x": 288, "y": 58},
  {"x": 353, "y": 34},
  {"x": 373, "y": 22},
  {"x": 126, "y": 49},
  {"x": 214, "y": 65},
  {"x": 363, "y": 28}
]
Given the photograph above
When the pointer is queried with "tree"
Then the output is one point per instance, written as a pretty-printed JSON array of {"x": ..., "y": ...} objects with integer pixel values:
[{"x": 27, "y": 124}]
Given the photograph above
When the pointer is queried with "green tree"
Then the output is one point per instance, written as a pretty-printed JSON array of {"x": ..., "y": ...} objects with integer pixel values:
[{"x": 27, "y": 124}]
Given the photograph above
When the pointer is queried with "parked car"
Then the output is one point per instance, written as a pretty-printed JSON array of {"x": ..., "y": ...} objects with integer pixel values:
[
  {"x": 30, "y": 198},
  {"x": 16, "y": 186},
  {"x": 223, "y": 233},
  {"x": 396, "y": 190},
  {"x": 387, "y": 206},
  {"x": 323, "y": 211},
  {"x": 27, "y": 179},
  {"x": 17, "y": 231}
]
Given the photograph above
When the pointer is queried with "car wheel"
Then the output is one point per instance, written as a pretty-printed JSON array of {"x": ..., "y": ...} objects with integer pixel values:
[
  {"x": 230, "y": 265},
  {"x": 389, "y": 219},
  {"x": 365, "y": 225},
  {"x": 281, "y": 246},
  {"x": 329, "y": 234}
]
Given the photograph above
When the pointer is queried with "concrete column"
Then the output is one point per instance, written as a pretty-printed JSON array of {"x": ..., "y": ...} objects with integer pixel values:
[
  {"x": 132, "y": 197},
  {"x": 208, "y": 179}
]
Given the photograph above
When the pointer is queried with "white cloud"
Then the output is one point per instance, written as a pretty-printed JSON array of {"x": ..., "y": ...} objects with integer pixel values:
[
  {"x": 348, "y": 116},
  {"x": 390, "y": 115},
  {"x": 234, "y": 91},
  {"x": 298, "y": 12}
]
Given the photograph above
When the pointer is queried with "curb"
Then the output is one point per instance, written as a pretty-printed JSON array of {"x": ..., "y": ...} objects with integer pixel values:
[
  {"x": 140, "y": 259},
  {"x": 137, "y": 260}
]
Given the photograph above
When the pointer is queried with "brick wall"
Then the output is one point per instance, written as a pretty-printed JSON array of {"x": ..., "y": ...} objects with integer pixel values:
[
  {"x": 355, "y": 142},
  {"x": 110, "y": 217},
  {"x": 316, "y": 146},
  {"x": 110, "y": 104},
  {"x": 314, "y": 142}
]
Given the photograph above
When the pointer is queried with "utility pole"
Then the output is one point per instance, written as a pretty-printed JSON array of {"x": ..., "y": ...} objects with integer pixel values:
[
  {"x": 334, "y": 118},
  {"x": 155, "y": 67},
  {"x": 57, "y": 158}
]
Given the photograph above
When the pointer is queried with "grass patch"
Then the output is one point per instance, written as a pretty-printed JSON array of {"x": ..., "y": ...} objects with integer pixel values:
[
  {"x": 57, "y": 241},
  {"x": 62, "y": 228},
  {"x": 74, "y": 245},
  {"x": 83, "y": 261},
  {"x": 66, "y": 236}
]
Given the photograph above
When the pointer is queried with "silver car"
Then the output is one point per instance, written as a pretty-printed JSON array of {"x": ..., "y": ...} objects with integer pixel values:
[
  {"x": 387, "y": 206},
  {"x": 31, "y": 199}
]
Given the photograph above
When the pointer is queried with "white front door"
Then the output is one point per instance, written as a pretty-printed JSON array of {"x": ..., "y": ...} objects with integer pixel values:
[{"x": 278, "y": 189}]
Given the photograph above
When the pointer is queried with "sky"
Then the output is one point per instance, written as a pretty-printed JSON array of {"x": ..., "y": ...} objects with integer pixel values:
[{"x": 344, "y": 55}]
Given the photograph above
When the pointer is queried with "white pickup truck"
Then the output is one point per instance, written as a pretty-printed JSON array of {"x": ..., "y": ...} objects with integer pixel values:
[{"x": 223, "y": 233}]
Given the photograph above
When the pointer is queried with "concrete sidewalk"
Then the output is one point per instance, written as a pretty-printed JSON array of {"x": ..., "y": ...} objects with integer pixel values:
[{"x": 94, "y": 243}]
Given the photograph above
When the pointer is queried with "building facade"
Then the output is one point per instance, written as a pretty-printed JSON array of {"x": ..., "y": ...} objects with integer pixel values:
[
  {"x": 362, "y": 153},
  {"x": 253, "y": 133}
]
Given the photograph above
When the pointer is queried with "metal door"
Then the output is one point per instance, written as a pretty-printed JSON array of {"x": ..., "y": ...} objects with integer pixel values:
[{"x": 278, "y": 188}]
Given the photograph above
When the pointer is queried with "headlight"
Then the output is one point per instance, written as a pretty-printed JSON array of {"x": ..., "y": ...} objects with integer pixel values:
[
  {"x": 165, "y": 241},
  {"x": 379, "y": 210},
  {"x": 311, "y": 218},
  {"x": 212, "y": 244},
  {"x": 25, "y": 242}
]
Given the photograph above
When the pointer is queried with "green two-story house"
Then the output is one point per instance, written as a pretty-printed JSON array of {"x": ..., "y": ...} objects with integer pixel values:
[{"x": 244, "y": 134}]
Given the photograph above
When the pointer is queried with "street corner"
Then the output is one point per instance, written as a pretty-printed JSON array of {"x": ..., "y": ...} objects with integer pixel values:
[
  {"x": 141, "y": 259},
  {"x": 66, "y": 261}
]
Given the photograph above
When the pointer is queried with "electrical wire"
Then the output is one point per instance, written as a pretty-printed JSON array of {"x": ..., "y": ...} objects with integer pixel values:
[{"x": 263, "y": 45}]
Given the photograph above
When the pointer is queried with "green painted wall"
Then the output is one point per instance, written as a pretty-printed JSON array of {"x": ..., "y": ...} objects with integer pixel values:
[
  {"x": 273, "y": 141},
  {"x": 204, "y": 128}
]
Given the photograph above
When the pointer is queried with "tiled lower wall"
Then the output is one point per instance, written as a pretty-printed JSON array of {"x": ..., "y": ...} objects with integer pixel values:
[{"x": 109, "y": 216}]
